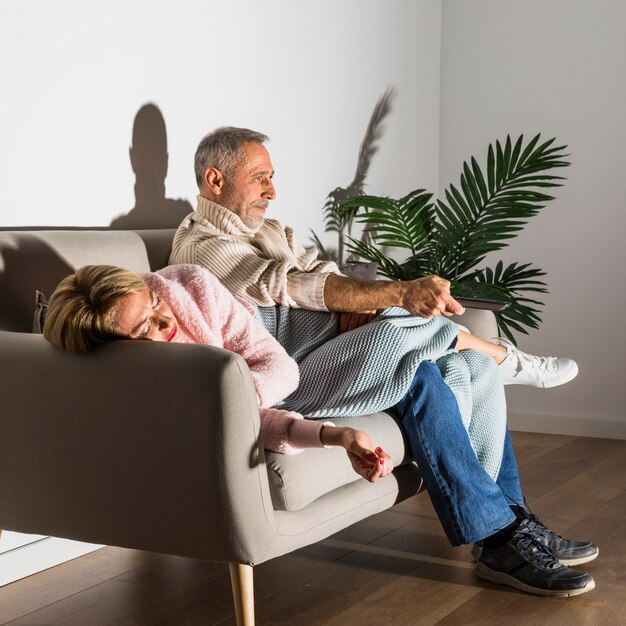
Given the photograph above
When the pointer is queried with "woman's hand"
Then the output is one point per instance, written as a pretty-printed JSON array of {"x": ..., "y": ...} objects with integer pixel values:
[
  {"x": 371, "y": 463},
  {"x": 368, "y": 461}
]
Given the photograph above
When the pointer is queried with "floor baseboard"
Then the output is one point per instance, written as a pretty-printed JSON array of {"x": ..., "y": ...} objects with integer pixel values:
[{"x": 567, "y": 425}]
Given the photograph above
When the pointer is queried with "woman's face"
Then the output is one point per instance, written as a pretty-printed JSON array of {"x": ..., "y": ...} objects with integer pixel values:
[{"x": 144, "y": 315}]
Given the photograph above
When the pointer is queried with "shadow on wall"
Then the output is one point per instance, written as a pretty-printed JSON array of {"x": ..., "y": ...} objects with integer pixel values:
[
  {"x": 334, "y": 220},
  {"x": 149, "y": 160},
  {"x": 18, "y": 281},
  {"x": 369, "y": 147}
]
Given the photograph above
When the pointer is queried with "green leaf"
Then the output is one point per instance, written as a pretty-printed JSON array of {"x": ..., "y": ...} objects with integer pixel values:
[
  {"x": 507, "y": 156},
  {"x": 528, "y": 150},
  {"x": 491, "y": 168},
  {"x": 516, "y": 153},
  {"x": 480, "y": 181},
  {"x": 472, "y": 192},
  {"x": 500, "y": 164}
]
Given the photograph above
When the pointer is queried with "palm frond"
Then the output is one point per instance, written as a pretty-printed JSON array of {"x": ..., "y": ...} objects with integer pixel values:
[
  {"x": 405, "y": 223},
  {"x": 387, "y": 266},
  {"x": 487, "y": 211},
  {"x": 511, "y": 284},
  {"x": 418, "y": 266}
]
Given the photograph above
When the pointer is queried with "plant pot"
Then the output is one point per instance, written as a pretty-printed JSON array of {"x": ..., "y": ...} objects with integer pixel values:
[
  {"x": 360, "y": 270},
  {"x": 479, "y": 322}
]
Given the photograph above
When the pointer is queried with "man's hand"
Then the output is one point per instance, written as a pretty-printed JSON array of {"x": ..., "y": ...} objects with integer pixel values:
[{"x": 429, "y": 296}]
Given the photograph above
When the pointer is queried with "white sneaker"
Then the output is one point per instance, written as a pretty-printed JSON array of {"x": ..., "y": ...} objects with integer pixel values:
[{"x": 519, "y": 368}]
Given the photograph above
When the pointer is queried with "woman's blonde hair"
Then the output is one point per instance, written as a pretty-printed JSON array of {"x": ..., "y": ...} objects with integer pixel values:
[{"x": 82, "y": 310}]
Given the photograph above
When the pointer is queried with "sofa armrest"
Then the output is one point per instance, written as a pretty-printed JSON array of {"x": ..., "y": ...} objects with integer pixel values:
[{"x": 140, "y": 444}]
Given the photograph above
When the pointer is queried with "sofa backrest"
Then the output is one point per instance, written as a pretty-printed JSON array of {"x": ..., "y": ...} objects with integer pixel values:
[{"x": 39, "y": 260}]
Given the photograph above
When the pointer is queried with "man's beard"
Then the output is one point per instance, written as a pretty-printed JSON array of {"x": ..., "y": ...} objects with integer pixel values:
[
  {"x": 254, "y": 222},
  {"x": 235, "y": 203}
]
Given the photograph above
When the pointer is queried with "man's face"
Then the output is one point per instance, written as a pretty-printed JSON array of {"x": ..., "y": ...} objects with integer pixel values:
[{"x": 248, "y": 191}]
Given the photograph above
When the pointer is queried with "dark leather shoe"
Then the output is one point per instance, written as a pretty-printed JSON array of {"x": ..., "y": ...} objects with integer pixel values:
[
  {"x": 568, "y": 552},
  {"x": 525, "y": 563}
]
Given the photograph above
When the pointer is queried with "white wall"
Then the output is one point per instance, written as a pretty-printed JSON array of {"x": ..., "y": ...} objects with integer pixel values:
[
  {"x": 74, "y": 74},
  {"x": 557, "y": 67}
]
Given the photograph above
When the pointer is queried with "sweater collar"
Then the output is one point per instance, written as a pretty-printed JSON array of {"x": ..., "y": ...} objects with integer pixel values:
[{"x": 211, "y": 214}]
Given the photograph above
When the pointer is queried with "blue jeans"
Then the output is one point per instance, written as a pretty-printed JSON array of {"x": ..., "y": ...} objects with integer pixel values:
[{"x": 470, "y": 505}]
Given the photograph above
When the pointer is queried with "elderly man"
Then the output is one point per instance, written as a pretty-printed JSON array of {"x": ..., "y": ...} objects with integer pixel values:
[{"x": 259, "y": 260}]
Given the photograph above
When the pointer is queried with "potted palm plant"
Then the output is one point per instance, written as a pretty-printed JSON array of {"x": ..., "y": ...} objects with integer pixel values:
[{"x": 451, "y": 237}]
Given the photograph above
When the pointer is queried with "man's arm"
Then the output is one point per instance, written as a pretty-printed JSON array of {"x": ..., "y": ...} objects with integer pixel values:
[
  {"x": 245, "y": 272},
  {"x": 270, "y": 272},
  {"x": 241, "y": 268},
  {"x": 424, "y": 297}
]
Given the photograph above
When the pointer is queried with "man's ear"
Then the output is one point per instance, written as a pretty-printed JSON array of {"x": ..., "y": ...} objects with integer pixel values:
[{"x": 213, "y": 180}]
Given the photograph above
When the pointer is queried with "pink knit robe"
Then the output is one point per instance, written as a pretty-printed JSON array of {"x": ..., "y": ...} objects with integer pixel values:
[{"x": 208, "y": 314}]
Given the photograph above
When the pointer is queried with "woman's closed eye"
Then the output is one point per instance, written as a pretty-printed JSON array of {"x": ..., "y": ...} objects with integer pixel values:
[{"x": 156, "y": 303}]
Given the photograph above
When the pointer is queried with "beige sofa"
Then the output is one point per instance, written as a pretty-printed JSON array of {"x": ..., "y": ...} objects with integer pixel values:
[{"x": 155, "y": 446}]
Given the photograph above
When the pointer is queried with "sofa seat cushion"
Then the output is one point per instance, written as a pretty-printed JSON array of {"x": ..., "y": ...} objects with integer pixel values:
[{"x": 297, "y": 480}]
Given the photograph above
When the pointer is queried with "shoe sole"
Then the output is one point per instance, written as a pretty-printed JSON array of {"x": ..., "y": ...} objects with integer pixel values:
[
  {"x": 567, "y": 562},
  {"x": 580, "y": 560},
  {"x": 493, "y": 576}
]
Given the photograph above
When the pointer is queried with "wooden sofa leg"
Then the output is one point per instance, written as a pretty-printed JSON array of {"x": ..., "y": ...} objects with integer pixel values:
[{"x": 242, "y": 582}]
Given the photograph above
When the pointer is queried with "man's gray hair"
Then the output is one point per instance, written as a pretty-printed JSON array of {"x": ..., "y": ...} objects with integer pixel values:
[{"x": 224, "y": 149}]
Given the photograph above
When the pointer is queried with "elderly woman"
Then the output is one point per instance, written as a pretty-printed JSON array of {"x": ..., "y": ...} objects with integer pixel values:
[{"x": 186, "y": 304}]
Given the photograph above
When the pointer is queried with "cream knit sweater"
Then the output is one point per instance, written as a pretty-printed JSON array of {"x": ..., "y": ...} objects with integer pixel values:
[{"x": 265, "y": 267}]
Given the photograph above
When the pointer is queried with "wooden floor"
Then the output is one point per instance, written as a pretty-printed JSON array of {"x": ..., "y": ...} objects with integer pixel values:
[{"x": 393, "y": 568}]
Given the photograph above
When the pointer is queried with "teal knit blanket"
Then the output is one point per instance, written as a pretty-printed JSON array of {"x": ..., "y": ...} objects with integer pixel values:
[{"x": 371, "y": 368}]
